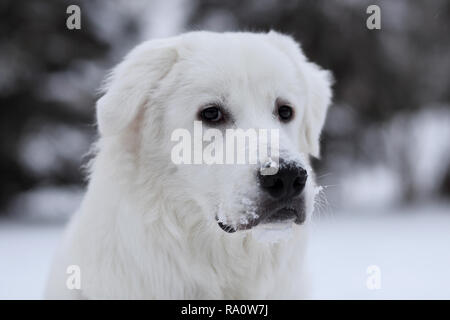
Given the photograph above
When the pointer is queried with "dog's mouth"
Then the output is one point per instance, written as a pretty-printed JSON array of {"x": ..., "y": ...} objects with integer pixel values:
[
  {"x": 238, "y": 227},
  {"x": 283, "y": 215}
]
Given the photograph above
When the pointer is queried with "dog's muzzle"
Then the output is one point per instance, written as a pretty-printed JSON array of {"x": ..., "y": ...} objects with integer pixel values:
[{"x": 282, "y": 199}]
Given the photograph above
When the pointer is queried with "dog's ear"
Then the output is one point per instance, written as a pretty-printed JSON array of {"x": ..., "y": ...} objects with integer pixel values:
[
  {"x": 318, "y": 82},
  {"x": 129, "y": 86}
]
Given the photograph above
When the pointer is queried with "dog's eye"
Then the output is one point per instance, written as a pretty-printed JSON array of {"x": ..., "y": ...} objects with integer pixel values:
[
  {"x": 285, "y": 113},
  {"x": 211, "y": 114}
]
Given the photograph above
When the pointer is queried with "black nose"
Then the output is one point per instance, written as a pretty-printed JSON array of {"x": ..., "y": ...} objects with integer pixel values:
[{"x": 288, "y": 182}]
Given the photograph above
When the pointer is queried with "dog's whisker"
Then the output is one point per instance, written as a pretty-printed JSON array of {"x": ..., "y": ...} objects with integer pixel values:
[{"x": 324, "y": 175}]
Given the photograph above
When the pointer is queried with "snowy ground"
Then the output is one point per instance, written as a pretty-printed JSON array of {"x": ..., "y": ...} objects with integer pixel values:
[
  {"x": 410, "y": 246},
  {"x": 25, "y": 254}
]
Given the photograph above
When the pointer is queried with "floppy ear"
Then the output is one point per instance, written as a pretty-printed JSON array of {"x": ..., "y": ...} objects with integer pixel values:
[
  {"x": 318, "y": 83},
  {"x": 130, "y": 84}
]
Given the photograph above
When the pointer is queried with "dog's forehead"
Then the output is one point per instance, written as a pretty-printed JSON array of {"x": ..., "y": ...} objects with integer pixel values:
[{"x": 238, "y": 63}]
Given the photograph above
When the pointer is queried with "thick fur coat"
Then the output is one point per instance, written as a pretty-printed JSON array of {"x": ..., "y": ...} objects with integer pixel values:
[{"x": 147, "y": 228}]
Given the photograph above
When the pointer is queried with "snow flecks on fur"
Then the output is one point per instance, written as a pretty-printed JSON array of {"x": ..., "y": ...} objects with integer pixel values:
[
  {"x": 269, "y": 167},
  {"x": 250, "y": 209},
  {"x": 317, "y": 190}
]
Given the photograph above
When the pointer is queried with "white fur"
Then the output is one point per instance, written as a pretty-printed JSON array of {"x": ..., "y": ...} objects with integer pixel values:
[{"x": 146, "y": 227}]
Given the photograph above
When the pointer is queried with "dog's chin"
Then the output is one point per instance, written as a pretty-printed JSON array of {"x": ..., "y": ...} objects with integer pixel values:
[{"x": 282, "y": 218}]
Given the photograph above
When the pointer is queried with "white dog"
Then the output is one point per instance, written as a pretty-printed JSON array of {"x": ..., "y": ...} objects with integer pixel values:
[{"x": 148, "y": 228}]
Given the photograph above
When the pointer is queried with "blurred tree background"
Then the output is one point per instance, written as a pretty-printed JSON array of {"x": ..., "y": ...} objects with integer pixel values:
[
  {"x": 35, "y": 49},
  {"x": 48, "y": 81},
  {"x": 387, "y": 131}
]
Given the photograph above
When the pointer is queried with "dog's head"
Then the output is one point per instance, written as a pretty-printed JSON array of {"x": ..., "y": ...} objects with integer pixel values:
[{"x": 174, "y": 104}]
